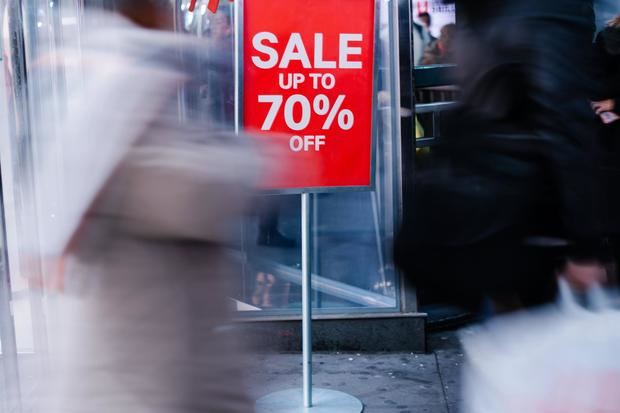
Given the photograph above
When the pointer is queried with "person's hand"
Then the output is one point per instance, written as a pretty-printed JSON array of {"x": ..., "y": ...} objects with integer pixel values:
[{"x": 606, "y": 105}]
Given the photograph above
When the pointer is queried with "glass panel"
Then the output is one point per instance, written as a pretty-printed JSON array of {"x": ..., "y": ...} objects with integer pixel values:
[
  {"x": 433, "y": 31},
  {"x": 9, "y": 395},
  {"x": 212, "y": 97},
  {"x": 351, "y": 231},
  {"x": 435, "y": 93},
  {"x": 8, "y": 355},
  {"x": 38, "y": 31}
]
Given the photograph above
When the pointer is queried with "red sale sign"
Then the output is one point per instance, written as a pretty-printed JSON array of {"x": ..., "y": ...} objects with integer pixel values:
[{"x": 308, "y": 87}]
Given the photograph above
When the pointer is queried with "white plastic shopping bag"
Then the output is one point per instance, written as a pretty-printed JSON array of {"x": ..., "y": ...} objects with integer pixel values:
[{"x": 561, "y": 359}]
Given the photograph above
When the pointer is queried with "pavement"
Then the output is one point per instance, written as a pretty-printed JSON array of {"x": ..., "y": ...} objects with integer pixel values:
[{"x": 385, "y": 383}]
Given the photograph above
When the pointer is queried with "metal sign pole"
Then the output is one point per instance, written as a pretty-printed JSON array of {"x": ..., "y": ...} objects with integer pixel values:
[
  {"x": 306, "y": 292},
  {"x": 310, "y": 400},
  {"x": 306, "y": 399}
]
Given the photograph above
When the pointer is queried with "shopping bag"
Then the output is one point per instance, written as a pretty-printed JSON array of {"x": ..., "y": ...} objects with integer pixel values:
[{"x": 560, "y": 359}]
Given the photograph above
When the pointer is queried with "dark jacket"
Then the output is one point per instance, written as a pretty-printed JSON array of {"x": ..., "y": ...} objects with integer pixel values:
[
  {"x": 607, "y": 64},
  {"x": 606, "y": 70},
  {"x": 517, "y": 159}
]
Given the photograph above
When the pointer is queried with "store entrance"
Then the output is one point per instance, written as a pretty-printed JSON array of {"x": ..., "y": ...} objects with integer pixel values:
[{"x": 427, "y": 66}]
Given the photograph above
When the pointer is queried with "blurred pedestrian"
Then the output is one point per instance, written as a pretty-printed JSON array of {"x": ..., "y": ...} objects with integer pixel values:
[
  {"x": 422, "y": 36},
  {"x": 513, "y": 186},
  {"x": 145, "y": 320}
]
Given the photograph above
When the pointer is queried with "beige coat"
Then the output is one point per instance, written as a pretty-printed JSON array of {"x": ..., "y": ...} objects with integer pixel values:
[{"x": 145, "y": 318}]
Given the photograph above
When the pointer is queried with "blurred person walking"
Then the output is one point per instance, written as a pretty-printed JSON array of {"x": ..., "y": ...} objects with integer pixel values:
[
  {"x": 152, "y": 203},
  {"x": 511, "y": 213},
  {"x": 514, "y": 187}
]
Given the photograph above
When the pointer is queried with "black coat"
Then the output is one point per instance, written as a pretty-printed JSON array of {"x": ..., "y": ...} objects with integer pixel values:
[
  {"x": 606, "y": 70},
  {"x": 517, "y": 160},
  {"x": 607, "y": 64}
]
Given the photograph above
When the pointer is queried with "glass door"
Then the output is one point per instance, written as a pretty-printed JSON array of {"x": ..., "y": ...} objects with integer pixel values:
[{"x": 36, "y": 85}]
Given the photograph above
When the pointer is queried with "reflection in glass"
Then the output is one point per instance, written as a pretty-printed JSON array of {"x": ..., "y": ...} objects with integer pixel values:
[{"x": 433, "y": 32}]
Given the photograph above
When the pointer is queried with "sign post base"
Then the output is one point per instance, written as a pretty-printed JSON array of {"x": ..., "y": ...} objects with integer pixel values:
[{"x": 323, "y": 401}]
